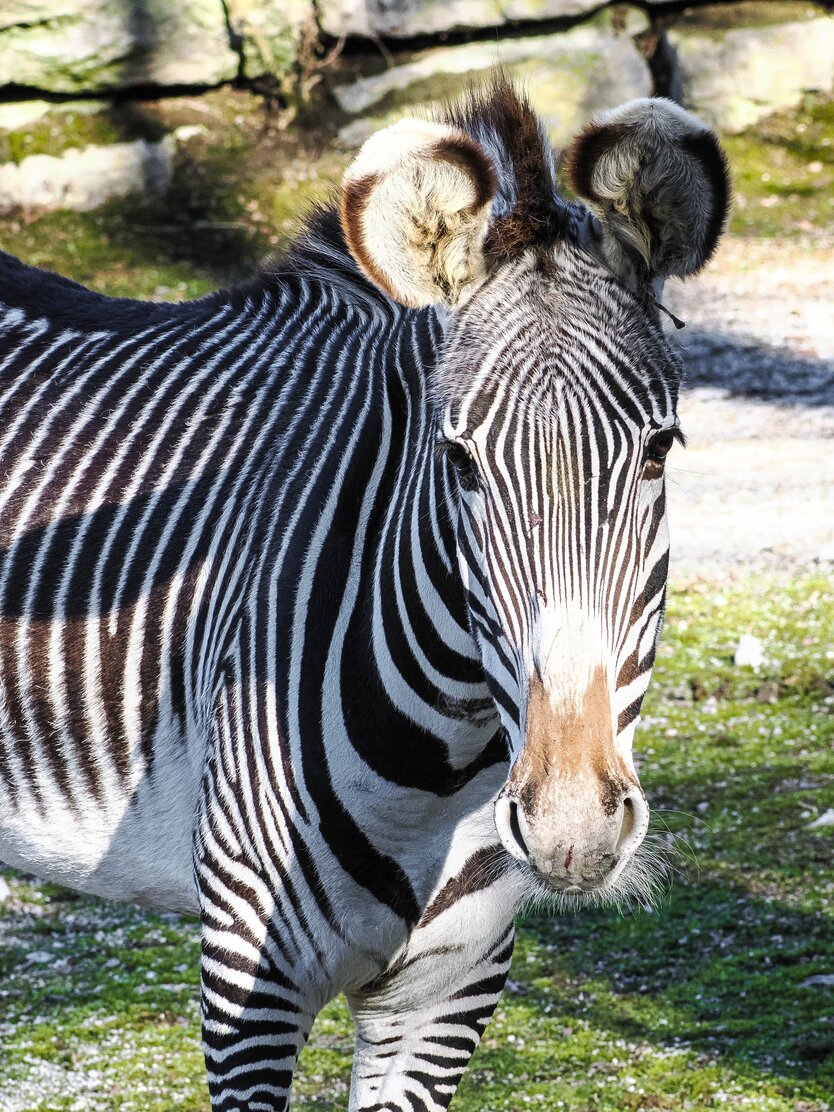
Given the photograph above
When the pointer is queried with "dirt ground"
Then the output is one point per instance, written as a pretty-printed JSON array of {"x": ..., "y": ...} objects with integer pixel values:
[{"x": 755, "y": 486}]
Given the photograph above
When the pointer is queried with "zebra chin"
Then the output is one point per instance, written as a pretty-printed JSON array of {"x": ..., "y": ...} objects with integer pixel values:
[{"x": 642, "y": 881}]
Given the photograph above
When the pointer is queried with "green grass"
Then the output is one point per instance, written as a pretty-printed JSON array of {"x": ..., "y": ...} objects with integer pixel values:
[
  {"x": 783, "y": 172},
  {"x": 699, "y": 1004}
]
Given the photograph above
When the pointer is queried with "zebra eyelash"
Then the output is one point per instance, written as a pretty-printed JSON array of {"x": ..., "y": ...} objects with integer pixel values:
[
  {"x": 657, "y": 449},
  {"x": 661, "y": 440},
  {"x": 462, "y": 463}
]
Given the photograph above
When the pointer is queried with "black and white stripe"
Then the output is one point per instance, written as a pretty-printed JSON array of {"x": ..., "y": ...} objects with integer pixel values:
[{"x": 266, "y": 638}]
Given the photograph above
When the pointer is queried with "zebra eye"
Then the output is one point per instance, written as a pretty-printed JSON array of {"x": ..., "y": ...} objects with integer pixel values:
[
  {"x": 657, "y": 450},
  {"x": 462, "y": 462}
]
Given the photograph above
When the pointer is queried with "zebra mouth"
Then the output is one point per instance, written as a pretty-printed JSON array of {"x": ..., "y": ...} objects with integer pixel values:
[{"x": 638, "y": 879}]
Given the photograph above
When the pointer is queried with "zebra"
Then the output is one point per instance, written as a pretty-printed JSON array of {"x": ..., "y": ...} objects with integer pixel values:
[{"x": 328, "y": 602}]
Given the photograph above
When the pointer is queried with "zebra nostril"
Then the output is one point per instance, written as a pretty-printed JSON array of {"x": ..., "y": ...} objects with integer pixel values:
[
  {"x": 515, "y": 828},
  {"x": 509, "y": 822},
  {"x": 628, "y": 824}
]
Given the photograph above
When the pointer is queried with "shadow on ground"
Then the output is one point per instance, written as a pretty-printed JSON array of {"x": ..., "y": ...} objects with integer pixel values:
[
  {"x": 717, "y": 970},
  {"x": 747, "y": 369}
]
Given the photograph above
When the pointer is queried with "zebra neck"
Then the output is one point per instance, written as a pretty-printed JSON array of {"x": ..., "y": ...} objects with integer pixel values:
[{"x": 429, "y": 665}]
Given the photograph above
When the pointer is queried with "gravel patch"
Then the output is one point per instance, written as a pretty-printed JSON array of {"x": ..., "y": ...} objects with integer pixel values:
[
  {"x": 47, "y": 1081},
  {"x": 755, "y": 486}
]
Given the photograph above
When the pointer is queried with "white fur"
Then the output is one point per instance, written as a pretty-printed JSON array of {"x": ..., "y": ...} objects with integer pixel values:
[
  {"x": 419, "y": 224},
  {"x": 122, "y": 848}
]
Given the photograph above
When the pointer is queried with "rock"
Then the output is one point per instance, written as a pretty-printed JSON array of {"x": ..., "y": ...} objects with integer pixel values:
[
  {"x": 5, "y": 891},
  {"x": 70, "y": 46},
  {"x": 822, "y": 980},
  {"x": 737, "y": 67},
  {"x": 75, "y": 46},
  {"x": 568, "y": 76},
  {"x": 21, "y": 112},
  {"x": 768, "y": 693},
  {"x": 407, "y": 18},
  {"x": 39, "y": 957},
  {"x": 749, "y": 652},
  {"x": 825, "y": 819},
  {"x": 268, "y": 32},
  {"x": 84, "y": 179}
]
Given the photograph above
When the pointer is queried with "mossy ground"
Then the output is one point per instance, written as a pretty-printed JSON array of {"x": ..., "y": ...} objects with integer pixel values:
[
  {"x": 242, "y": 184},
  {"x": 705, "y": 1002},
  {"x": 783, "y": 173}
]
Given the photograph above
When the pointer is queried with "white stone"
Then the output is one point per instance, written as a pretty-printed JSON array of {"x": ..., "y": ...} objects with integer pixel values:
[
  {"x": 749, "y": 652},
  {"x": 184, "y": 132},
  {"x": 39, "y": 957},
  {"x": 84, "y": 179},
  {"x": 739, "y": 76},
  {"x": 5, "y": 891},
  {"x": 72, "y": 46},
  {"x": 406, "y": 18},
  {"x": 22, "y": 112},
  {"x": 819, "y": 979},
  {"x": 825, "y": 819},
  {"x": 568, "y": 76}
]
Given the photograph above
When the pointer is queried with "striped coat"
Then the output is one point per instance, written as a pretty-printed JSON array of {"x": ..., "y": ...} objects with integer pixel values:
[{"x": 327, "y": 604}]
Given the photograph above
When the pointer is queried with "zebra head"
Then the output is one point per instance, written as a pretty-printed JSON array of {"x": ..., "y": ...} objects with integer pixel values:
[{"x": 555, "y": 399}]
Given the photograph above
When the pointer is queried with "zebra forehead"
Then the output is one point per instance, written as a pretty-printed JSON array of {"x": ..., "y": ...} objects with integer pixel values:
[{"x": 548, "y": 348}]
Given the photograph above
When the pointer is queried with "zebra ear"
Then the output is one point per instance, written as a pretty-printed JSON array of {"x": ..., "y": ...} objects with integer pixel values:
[
  {"x": 658, "y": 180},
  {"x": 414, "y": 210}
]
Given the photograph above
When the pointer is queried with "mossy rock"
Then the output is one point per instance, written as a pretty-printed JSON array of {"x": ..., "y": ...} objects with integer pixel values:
[
  {"x": 91, "y": 46},
  {"x": 746, "y": 63},
  {"x": 568, "y": 76}
]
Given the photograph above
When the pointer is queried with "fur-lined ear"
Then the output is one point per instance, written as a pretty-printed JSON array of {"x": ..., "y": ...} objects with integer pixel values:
[
  {"x": 414, "y": 209},
  {"x": 658, "y": 180}
]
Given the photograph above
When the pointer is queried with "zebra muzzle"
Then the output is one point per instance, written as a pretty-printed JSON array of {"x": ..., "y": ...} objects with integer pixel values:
[
  {"x": 571, "y": 842},
  {"x": 572, "y": 809}
]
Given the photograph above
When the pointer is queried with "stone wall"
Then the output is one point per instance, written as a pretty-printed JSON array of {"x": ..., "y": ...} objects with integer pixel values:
[
  {"x": 733, "y": 62},
  {"x": 94, "y": 46},
  {"x": 84, "y": 47}
]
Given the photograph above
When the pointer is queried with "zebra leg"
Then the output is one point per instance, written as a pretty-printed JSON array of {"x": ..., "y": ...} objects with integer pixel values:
[
  {"x": 257, "y": 1009},
  {"x": 411, "y": 1059},
  {"x": 254, "y": 1024}
]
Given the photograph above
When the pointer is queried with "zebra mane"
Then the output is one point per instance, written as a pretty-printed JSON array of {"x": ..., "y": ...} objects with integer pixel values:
[
  {"x": 527, "y": 211},
  {"x": 321, "y": 254}
]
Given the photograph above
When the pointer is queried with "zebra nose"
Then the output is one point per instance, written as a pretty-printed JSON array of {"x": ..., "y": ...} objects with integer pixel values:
[
  {"x": 512, "y": 827},
  {"x": 573, "y": 845}
]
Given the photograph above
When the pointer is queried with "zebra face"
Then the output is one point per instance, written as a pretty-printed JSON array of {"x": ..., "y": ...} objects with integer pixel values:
[
  {"x": 556, "y": 410},
  {"x": 555, "y": 401}
]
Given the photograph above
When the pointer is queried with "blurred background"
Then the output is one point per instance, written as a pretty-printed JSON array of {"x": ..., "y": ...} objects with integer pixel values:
[{"x": 160, "y": 148}]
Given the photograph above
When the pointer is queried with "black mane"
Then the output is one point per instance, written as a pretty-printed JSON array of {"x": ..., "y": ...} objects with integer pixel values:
[{"x": 41, "y": 293}]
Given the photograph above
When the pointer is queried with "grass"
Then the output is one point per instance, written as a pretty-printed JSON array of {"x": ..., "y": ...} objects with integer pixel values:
[
  {"x": 705, "y": 1002},
  {"x": 783, "y": 172}
]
